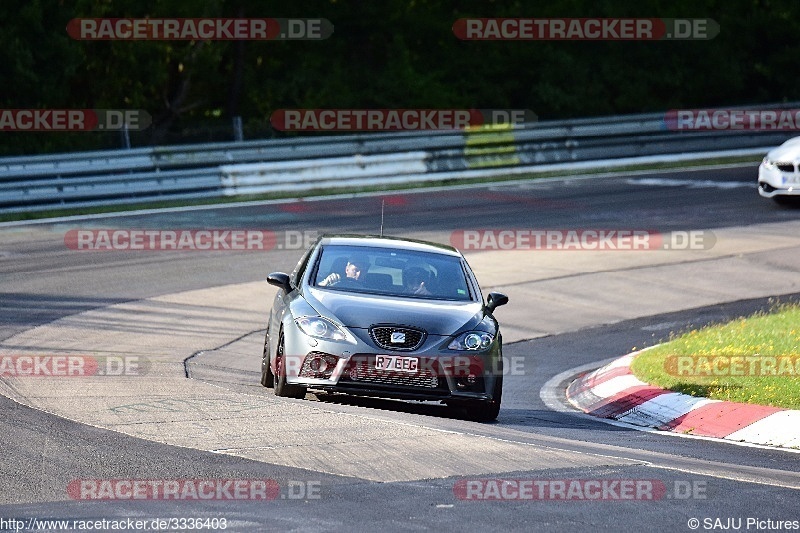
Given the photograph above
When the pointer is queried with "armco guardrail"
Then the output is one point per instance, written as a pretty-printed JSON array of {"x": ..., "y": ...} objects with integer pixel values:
[
  {"x": 228, "y": 169},
  {"x": 355, "y": 170}
]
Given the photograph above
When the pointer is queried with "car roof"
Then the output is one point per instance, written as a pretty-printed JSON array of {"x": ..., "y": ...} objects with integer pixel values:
[{"x": 378, "y": 241}]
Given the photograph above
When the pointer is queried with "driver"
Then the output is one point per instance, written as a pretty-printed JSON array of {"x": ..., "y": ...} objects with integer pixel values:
[{"x": 352, "y": 271}]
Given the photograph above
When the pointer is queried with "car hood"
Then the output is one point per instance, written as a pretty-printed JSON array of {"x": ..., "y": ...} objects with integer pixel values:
[
  {"x": 363, "y": 310},
  {"x": 788, "y": 151}
]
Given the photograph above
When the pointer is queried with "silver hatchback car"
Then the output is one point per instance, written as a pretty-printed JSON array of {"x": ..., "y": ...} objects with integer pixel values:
[{"x": 385, "y": 317}]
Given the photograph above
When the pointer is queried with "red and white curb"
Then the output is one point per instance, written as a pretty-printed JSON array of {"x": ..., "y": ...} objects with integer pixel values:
[{"x": 612, "y": 391}]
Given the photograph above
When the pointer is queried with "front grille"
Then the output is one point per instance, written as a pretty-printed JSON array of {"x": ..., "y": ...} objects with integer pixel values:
[
  {"x": 785, "y": 167},
  {"x": 405, "y": 339},
  {"x": 362, "y": 370}
]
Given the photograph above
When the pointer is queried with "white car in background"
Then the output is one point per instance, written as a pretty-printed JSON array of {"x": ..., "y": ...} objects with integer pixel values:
[{"x": 778, "y": 176}]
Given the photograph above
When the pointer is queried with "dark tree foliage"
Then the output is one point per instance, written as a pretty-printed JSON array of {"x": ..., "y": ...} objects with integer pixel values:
[{"x": 389, "y": 53}]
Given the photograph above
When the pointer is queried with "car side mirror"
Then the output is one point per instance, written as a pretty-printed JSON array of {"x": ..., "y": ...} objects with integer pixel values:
[
  {"x": 495, "y": 300},
  {"x": 280, "y": 280}
]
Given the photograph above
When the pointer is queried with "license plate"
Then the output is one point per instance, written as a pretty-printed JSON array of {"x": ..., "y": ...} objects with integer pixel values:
[
  {"x": 396, "y": 363},
  {"x": 792, "y": 179}
]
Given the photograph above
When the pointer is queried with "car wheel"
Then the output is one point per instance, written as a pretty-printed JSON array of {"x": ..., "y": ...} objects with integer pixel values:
[
  {"x": 487, "y": 411},
  {"x": 267, "y": 377},
  {"x": 281, "y": 387}
]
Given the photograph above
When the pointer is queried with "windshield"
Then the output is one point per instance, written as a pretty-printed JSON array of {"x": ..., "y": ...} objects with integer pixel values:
[{"x": 403, "y": 273}]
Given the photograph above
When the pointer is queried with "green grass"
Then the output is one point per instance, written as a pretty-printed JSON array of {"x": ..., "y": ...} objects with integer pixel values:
[
  {"x": 753, "y": 359},
  {"x": 133, "y": 206}
]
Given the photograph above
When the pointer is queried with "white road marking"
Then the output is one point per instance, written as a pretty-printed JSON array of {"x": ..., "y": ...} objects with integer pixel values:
[{"x": 692, "y": 184}]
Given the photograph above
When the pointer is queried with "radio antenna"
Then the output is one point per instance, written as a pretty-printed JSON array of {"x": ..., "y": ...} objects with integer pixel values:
[{"x": 383, "y": 201}]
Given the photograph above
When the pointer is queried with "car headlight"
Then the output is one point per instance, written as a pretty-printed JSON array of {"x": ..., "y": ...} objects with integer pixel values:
[
  {"x": 321, "y": 328},
  {"x": 472, "y": 341},
  {"x": 769, "y": 165}
]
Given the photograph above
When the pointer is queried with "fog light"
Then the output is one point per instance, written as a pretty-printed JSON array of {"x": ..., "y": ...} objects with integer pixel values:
[{"x": 319, "y": 365}]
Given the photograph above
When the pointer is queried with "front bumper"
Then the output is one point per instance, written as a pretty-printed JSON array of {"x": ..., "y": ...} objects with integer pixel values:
[
  {"x": 439, "y": 374},
  {"x": 775, "y": 182},
  {"x": 438, "y": 377}
]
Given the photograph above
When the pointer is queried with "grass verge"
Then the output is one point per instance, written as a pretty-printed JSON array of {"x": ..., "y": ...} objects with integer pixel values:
[{"x": 753, "y": 359}]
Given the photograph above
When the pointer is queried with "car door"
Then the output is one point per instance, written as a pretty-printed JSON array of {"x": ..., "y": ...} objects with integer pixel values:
[{"x": 280, "y": 303}]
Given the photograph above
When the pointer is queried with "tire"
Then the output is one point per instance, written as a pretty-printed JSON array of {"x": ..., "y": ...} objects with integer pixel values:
[
  {"x": 267, "y": 377},
  {"x": 487, "y": 411},
  {"x": 282, "y": 388}
]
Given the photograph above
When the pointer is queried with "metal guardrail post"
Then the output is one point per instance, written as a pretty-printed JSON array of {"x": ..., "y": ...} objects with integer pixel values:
[{"x": 238, "y": 134}]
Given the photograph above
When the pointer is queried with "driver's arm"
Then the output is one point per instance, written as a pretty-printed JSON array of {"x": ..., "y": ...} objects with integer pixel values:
[{"x": 332, "y": 279}]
